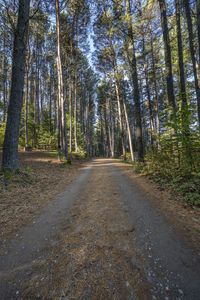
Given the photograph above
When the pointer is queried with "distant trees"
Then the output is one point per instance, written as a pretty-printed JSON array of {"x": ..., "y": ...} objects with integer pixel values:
[
  {"x": 56, "y": 95},
  {"x": 135, "y": 96},
  {"x": 144, "y": 48}
]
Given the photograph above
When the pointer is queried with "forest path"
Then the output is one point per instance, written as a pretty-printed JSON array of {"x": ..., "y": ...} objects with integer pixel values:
[{"x": 100, "y": 239}]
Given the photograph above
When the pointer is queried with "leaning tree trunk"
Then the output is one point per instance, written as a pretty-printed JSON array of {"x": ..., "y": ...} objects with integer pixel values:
[
  {"x": 10, "y": 149},
  {"x": 129, "y": 131}
]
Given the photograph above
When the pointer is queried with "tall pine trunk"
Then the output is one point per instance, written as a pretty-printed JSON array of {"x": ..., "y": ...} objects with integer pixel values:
[
  {"x": 63, "y": 143},
  {"x": 136, "y": 93},
  {"x": 180, "y": 56},
  {"x": 168, "y": 60},
  {"x": 192, "y": 53},
  {"x": 198, "y": 27},
  {"x": 156, "y": 100},
  {"x": 10, "y": 149},
  {"x": 5, "y": 75},
  {"x": 70, "y": 114},
  {"x": 27, "y": 103},
  {"x": 117, "y": 91},
  {"x": 75, "y": 113}
]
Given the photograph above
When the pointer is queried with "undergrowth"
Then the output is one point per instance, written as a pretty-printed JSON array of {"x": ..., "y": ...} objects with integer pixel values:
[{"x": 173, "y": 172}]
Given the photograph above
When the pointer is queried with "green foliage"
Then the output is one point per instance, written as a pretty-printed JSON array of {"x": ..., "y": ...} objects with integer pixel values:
[
  {"x": 175, "y": 161},
  {"x": 163, "y": 170},
  {"x": 28, "y": 170},
  {"x": 139, "y": 167},
  {"x": 2, "y": 133},
  {"x": 8, "y": 175},
  {"x": 47, "y": 138},
  {"x": 193, "y": 198},
  {"x": 81, "y": 154}
]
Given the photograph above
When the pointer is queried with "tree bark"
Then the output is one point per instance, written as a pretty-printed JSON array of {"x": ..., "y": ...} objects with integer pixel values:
[
  {"x": 192, "y": 53},
  {"x": 198, "y": 26},
  {"x": 27, "y": 102},
  {"x": 150, "y": 107},
  {"x": 120, "y": 118},
  {"x": 5, "y": 75},
  {"x": 136, "y": 93},
  {"x": 156, "y": 101},
  {"x": 10, "y": 149},
  {"x": 180, "y": 56},
  {"x": 75, "y": 113},
  {"x": 62, "y": 107},
  {"x": 129, "y": 131},
  {"x": 70, "y": 114},
  {"x": 168, "y": 60}
]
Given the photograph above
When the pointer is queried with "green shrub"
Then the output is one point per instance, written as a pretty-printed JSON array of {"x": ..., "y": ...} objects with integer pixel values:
[
  {"x": 193, "y": 199},
  {"x": 2, "y": 133}
]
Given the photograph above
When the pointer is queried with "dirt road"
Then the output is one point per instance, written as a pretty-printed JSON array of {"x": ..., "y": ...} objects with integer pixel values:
[{"x": 100, "y": 239}]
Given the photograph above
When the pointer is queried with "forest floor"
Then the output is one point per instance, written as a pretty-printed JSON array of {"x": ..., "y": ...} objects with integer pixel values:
[
  {"x": 41, "y": 178},
  {"x": 111, "y": 234}
]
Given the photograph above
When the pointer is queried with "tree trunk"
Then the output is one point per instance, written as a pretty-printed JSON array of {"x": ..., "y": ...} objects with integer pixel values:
[
  {"x": 156, "y": 103},
  {"x": 151, "y": 116},
  {"x": 62, "y": 106},
  {"x": 129, "y": 131},
  {"x": 70, "y": 115},
  {"x": 37, "y": 85},
  {"x": 192, "y": 54},
  {"x": 180, "y": 56},
  {"x": 198, "y": 26},
  {"x": 120, "y": 118},
  {"x": 27, "y": 102},
  {"x": 75, "y": 114},
  {"x": 136, "y": 93},
  {"x": 10, "y": 149},
  {"x": 168, "y": 61},
  {"x": 106, "y": 125},
  {"x": 50, "y": 99},
  {"x": 5, "y": 74},
  {"x": 118, "y": 96}
]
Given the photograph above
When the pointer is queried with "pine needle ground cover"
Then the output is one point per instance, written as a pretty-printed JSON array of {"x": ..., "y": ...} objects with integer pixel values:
[{"x": 41, "y": 178}]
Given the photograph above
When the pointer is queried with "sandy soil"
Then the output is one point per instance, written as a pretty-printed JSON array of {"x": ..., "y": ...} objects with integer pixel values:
[
  {"x": 178, "y": 212},
  {"x": 120, "y": 238},
  {"x": 42, "y": 177},
  {"x": 95, "y": 258}
]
